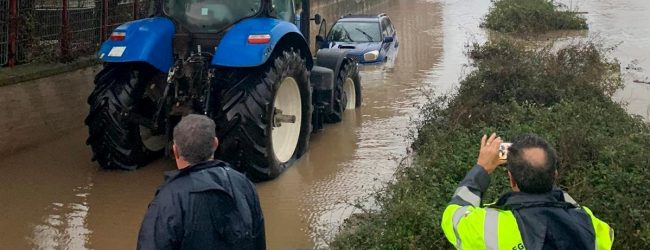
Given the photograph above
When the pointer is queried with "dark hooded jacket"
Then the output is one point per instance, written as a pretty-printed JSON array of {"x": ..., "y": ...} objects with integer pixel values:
[{"x": 205, "y": 206}]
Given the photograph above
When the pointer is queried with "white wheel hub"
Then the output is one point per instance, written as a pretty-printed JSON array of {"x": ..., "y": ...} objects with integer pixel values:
[
  {"x": 286, "y": 120},
  {"x": 350, "y": 92},
  {"x": 150, "y": 141}
]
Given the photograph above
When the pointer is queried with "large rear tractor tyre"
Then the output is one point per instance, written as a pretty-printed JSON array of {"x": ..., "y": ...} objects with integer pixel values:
[
  {"x": 116, "y": 141},
  {"x": 347, "y": 92},
  {"x": 264, "y": 116}
]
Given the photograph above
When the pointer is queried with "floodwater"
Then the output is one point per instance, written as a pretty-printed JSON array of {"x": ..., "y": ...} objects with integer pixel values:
[{"x": 53, "y": 197}]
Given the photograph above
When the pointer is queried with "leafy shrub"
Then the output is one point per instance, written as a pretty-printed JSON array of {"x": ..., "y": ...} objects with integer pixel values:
[
  {"x": 562, "y": 95},
  {"x": 531, "y": 16}
]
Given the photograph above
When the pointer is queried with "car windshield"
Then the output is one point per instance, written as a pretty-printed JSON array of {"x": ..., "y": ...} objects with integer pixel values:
[
  {"x": 355, "y": 32},
  {"x": 210, "y": 15}
]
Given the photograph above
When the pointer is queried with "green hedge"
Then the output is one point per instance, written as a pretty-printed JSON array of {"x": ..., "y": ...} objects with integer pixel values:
[
  {"x": 562, "y": 95},
  {"x": 531, "y": 16}
]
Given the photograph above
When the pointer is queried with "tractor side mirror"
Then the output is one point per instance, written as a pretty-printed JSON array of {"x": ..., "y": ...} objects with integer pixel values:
[
  {"x": 389, "y": 39},
  {"x": 317, "y": 19}
]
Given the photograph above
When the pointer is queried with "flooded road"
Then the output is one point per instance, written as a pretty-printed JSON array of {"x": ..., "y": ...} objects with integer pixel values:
[
  {"x": 53, "y": 197},
  {"x": 624, "y": 24}
]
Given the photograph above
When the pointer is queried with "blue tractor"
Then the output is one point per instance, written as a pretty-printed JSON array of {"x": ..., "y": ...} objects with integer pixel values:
[{"x": 244, "y": 63}]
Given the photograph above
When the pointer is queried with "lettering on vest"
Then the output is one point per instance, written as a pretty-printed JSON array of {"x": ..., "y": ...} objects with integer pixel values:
[{"x": 519, "y": 246}]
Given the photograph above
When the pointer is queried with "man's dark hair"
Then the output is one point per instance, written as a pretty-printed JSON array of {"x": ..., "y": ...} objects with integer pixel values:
[
  {"x": 532, "y": 177},
  {"x": 194, "y": 138}
]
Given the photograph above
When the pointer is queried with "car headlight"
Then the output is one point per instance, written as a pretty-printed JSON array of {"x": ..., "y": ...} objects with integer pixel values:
[{"x": 371, "y": 56}]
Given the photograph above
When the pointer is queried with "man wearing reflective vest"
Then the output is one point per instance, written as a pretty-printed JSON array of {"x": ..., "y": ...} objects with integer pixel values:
[{"x": 535, "y": 215}]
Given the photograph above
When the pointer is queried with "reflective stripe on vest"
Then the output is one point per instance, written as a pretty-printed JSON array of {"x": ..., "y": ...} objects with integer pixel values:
[
  {"x": 464, "y": 193},
  {"x": 491, "y": 229},
  {"x": 458, "y": 214}
]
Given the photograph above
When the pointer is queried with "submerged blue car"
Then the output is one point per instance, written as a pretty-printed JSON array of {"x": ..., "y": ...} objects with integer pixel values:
[{"x": 370, "y": 39}]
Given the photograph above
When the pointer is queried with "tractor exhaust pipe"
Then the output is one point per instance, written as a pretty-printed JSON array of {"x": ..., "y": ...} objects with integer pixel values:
[{"x": 305, "y": 17}]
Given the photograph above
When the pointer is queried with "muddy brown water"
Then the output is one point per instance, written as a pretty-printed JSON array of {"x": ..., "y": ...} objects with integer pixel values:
[{"x": 53, "y": 197}]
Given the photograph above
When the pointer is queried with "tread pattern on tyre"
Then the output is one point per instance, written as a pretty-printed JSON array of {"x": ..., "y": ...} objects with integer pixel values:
[
  {"x": 243, "y": 115},
  {"x": 115, "y": 143}
]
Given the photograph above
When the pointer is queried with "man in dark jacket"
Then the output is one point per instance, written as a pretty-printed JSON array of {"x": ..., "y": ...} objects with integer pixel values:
[
  {"x": 536, "y": 215},
  {"x": 204, "y": 204}
]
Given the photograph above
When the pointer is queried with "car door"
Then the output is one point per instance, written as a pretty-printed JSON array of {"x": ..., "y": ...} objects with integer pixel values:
[
  {"x": 392, "y": 32},
  {"x": 322, "y": 38},
  {"x": 386, "y": 47}
]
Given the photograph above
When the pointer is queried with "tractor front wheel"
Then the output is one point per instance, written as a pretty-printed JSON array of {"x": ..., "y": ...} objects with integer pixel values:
[
  {"x": 347, "y": 92},
  {"x": 264, "y": 116}
]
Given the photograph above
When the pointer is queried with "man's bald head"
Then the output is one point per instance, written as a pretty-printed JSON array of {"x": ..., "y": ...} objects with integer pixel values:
[{"x": 532, "y": 163}]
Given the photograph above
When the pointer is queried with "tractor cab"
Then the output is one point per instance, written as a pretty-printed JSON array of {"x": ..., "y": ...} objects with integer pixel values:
[
  {"x": 209, "y": 16},
  {"x": 204, "y": 22}
]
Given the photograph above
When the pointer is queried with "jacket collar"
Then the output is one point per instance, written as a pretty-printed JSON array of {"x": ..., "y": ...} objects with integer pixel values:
[
  {"x": 515, "y": 200},
  {"x": 175, "y": 174},
  {"x": 221, "y": 183}
]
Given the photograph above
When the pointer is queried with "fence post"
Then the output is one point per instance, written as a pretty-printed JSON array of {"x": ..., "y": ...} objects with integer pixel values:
[
  {"x": 13, "y": 32},
  {"x": 104, "y": 28},
  {"x": 135, "y": 9},
  {"x": 65, "y": 32}
]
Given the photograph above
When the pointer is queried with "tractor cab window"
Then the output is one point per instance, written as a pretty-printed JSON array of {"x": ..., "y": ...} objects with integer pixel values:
[
  {"x": 355, "y": 32},
  {"x": 284, "y": 10},
  {"x": 210, "y": 15}
]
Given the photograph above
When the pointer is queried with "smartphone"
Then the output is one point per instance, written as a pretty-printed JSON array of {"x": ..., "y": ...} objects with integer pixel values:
[{"x": 503, "y": 150}]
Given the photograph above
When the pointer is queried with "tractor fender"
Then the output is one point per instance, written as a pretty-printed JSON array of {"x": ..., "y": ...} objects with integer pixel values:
[
  {"x": 332, "y": 59},
  {"x": 146, "y": 40},
  {"x": 234, "y": 49}
]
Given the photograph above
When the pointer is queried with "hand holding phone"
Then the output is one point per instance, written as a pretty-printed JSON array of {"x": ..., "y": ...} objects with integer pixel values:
[{"x": 488, "y": 156}]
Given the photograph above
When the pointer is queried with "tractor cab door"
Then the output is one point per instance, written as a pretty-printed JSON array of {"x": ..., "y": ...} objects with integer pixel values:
[{"x": 321, "y": 38}]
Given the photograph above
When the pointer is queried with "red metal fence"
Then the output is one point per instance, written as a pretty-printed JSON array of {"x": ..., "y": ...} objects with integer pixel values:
[
  {"x": 60, "y": 30},
  {"x": 4, "y": 31}
]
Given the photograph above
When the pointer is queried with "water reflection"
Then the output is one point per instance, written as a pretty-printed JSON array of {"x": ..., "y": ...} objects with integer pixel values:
[{"x": 65, "y": 225}]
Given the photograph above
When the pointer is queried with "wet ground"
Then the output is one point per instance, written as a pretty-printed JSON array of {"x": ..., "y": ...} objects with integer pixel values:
[{"x": 53, "y": 197}]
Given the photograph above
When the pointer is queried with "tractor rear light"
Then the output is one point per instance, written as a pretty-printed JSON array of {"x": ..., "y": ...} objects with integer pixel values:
[
  {"x": 259, "y": 39},
  {"x": 118, "y": 36}
]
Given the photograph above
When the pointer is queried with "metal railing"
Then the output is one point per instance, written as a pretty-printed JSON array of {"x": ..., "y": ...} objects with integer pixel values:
[
  {"x": 60, "y": 30},
  {"x": 4, "y": 32}
]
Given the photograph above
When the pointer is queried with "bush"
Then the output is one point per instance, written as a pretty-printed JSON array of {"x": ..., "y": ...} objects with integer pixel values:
[
  {"x": 531, "y": 16},
  {"x": 564, "y": 96}
]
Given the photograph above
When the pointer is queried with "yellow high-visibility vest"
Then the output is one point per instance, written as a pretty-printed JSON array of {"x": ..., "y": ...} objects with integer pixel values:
[{"x": 477, "y": 228}]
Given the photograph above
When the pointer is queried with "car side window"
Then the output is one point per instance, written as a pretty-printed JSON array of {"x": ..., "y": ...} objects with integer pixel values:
[
  {"x": 391, "y": 29},
  {"x": 384, "y": 28}
]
